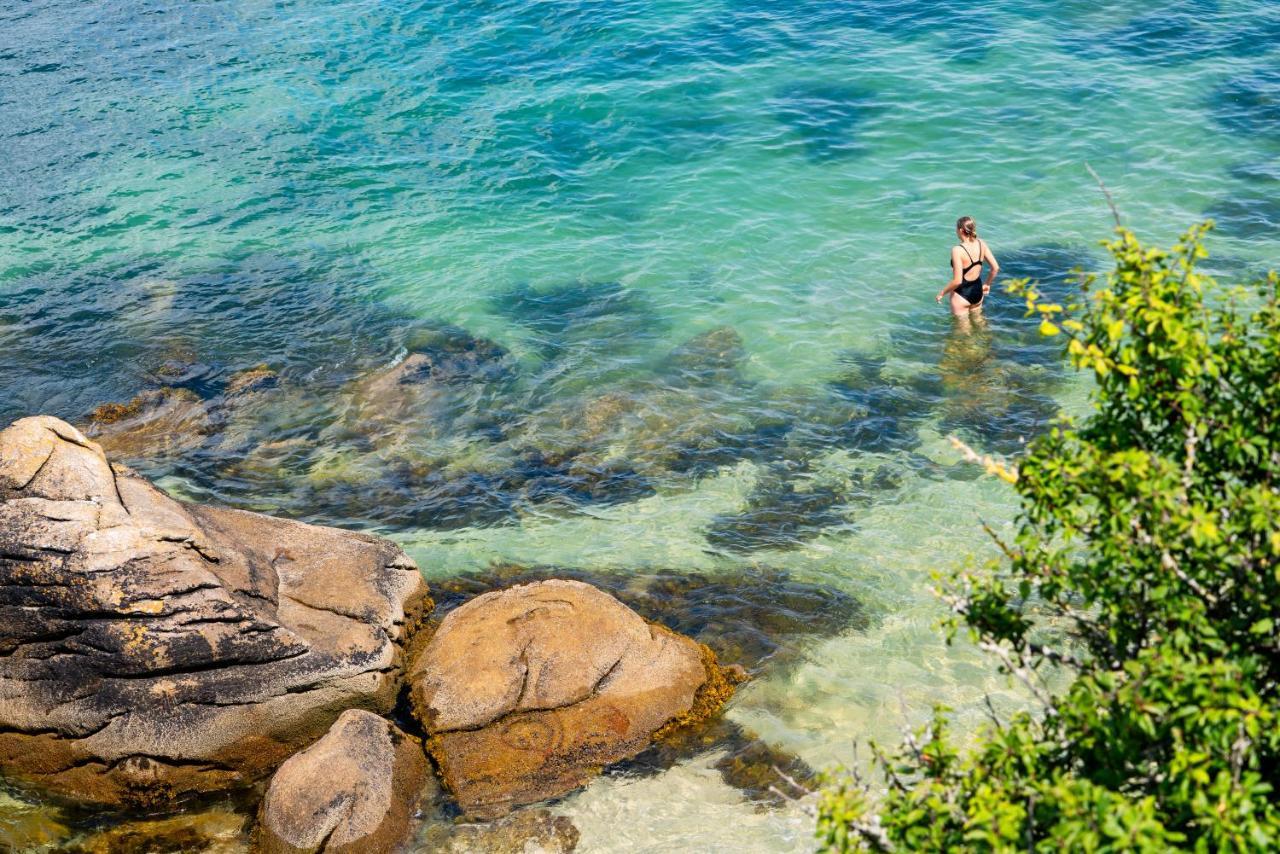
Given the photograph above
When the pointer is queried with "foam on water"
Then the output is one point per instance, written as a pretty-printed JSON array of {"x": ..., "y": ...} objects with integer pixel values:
[{"x": 586, "y": 186}]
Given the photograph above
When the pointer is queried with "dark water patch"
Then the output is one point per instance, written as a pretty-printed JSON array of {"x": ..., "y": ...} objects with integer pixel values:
[
  {"x": 1256, "y": 173},
  {"x": 1179, "y": 33},
  {"x": 883, "y": 411},
  {"x": 581, "y": 315},
  {"x": 1249, "y": 104},
  {"x": 434, "y": 495},
  {"x": 752, "y": 617},
  {"x": 1248, "y": 215},
  {"x": 826, "y": 118},
  {"x": 780, "y": 515},
  {"x": 791, "y": 505},
  {"x": 98, "y": 335},
  {"x": 766, "y": 775}
]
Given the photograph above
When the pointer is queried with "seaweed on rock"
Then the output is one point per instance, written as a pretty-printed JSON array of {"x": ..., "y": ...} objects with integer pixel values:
[{"x": 766, "y": 775}]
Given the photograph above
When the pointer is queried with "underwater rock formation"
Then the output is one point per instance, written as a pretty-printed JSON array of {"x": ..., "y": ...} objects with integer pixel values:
[
  {"x": 152, "y": 649},
  {"x": 521, "y": 831},
  {"x": 781, "y": 514},
  {"x": 527, "y": 692},
  {"x": 164, "y": 421},
  {"x": 355, "y": 790},
  {"x": 751, "y": 618},
  {"x": 215, "y": 831},
  {"x": 173, "y": 420},
  {"x": 746, "y": 617},
  {"x": 712, "y": 357},
  {"x": 766, "y": 775}
]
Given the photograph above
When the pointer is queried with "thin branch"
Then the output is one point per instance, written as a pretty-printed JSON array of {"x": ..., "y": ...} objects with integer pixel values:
[
  {"x": 1024, "y": 675},
  {"x": 791, "y": 780},
  {"x": 1110, "y": 202}
]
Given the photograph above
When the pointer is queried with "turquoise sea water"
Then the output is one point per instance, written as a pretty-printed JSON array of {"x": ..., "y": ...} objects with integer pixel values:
[{"x": 191, "y": 189}]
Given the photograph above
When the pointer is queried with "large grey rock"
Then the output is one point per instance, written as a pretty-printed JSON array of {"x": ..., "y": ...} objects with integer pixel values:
[
  {"x": 150, "y": 648},
  {"x": 355, "y": 790},
  {"x": 527, "y": 692}
]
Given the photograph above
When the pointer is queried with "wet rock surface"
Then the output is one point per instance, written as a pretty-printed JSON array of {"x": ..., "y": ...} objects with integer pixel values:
[
  {"x": 154, "y": 649},
  {"x": 354, "y": 790},
  {"x": 527, "y": 692}
]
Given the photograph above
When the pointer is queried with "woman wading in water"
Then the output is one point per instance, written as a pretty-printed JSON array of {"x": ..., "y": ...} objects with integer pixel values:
[{"x": 967, "y": 289}]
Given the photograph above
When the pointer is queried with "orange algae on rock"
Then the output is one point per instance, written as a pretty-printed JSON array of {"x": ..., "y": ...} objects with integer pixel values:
[{"x": 710, "y": 697}]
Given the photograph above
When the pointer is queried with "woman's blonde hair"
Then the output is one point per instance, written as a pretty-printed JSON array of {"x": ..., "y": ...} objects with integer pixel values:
[{"x": 966, "y": 226}]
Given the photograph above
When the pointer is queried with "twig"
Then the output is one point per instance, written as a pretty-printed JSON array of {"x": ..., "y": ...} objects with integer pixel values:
[
  {"x": 798, "y": 787},
  {"x": 1110, "y": 202},
  {"x": 991, "y": 713},
  {"x": 1006, "y": 472},
  {"x": 1024, "y": 675}
]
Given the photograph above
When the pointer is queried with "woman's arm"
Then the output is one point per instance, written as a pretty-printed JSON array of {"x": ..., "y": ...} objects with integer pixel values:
[
  {"x": 995, "y": 268},
  {"x": 955, "y": 275}
]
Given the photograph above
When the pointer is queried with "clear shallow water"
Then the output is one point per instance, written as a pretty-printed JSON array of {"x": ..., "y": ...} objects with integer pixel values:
[{"x": 187, "y": 190}]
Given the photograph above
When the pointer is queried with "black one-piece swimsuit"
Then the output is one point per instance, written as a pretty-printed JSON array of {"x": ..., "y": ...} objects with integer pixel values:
[{"x": 971, "y": 291}]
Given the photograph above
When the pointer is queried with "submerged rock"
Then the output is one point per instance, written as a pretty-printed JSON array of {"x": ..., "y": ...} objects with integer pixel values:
[
  {"x": 580, "y": 316},
  {"x": 712, "y": 357},
  {"x": 521, "y": 832},
  {"x": 216, "y": 831},
  {"x": 827, "y": 117},
  {"x": 255, "y": 379},
  {"x": 354, "y": 790},
  {"x": 1249, "y": 103},
  {"x": 527, "y": 692},
  {"x": 747, "y": 617},
  {"x": 766, "y": 775},
  {"x": 162, "y": 422},
  {"x": 26, "y": 826},
  {"x": 781, "y": 514},
  {"x": 153, "y": 649}
]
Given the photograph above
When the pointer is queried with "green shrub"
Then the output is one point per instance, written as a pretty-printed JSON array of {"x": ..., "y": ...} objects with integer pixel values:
[{"x": 1150, "y": 531}]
